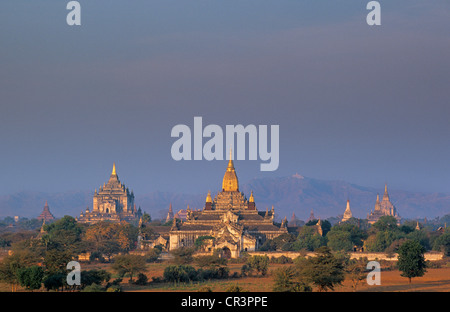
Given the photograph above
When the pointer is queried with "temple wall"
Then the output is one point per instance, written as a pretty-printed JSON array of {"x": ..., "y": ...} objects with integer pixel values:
[{"x": 429, "y": 256}]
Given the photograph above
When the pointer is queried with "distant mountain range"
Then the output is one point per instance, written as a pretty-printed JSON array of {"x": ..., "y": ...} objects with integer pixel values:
[{"x": 294, "y": 194}]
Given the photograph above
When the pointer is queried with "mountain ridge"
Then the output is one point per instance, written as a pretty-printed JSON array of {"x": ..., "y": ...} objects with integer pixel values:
[{"x": 290, "y": 194}]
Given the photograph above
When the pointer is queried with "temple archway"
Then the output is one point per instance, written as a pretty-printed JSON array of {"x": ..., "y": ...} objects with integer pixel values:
[{"x": 226, "y": 253}]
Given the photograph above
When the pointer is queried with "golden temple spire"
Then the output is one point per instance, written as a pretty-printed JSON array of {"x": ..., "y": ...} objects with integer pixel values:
[
  {"x": 114, "y": 169},
  {"x": 251, "y": 199},
  {"x": 230, "y": 181}
]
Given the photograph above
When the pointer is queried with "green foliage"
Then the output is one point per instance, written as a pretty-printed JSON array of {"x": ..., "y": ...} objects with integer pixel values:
[
  {"x": 64, "y": 234},
  {"x": 114, "y": 288},
  {"x": 283, "y": 242},
  {"x": 326, "y": 225},
  {"x": 142, "y": 279},
  {"x": 56, "y": 260},
  {"x": 94, "y": 277},
  {"x": 187, "y": 273},
  {"x": 339, "y": 240},
  {"x": 281, "y": 260},
  {"x": 356, "y": 271},
  {"x": 308, "y": 239},
  {"x": 30, "y": 277},
  {"x": 381, "y": 240},
  {"x": 210, "y": 261},
  {"x": 422, "y": 236},
  {"x": 12, "y": 263},
  {"x": 199, "y": 242},
  {"x": 386, "y": 223},
  {"x": 411, "y": 260},
  {"x": 183, "y": 255},
  {"x": 93, "y": 288},
  {"x": 152, "y": 255},
  {"x": 128, "y": 264},
  {"x": 287, "y": 280},
  {"x": 324, "y": 271},
  {"x": 54, "y": 281},
  {"x": 146, "y": 218},
  {"x": 442, "y": 243},
  {"x": 258, "y": 263},
  {"x": 180, "y": 274}
]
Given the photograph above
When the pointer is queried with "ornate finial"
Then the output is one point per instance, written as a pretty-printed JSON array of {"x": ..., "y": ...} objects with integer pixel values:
[
  {"x": 114, "y": 169},
  {"x": 208, "y": 197},
  {"x": 251, "y": 199}
]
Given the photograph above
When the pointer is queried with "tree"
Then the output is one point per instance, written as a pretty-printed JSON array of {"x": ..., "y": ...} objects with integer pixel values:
[
  {"x": 179, "y": 273},
  {"x": 356, "y": 270},
  {"x": 287, "y": 280},
  {"x": 129, "y": 264},
  {"x": 411, "y": 259},
  {"x": 325, "y": 270},
  {"x": 183, "y": 255},
  {"x": 386, "y": 223},
  {"x": 31, "y": 277},
  {"x": 339, "y": 240},
  {"x": 12, "y": 263},
  {"x": 55, "y": 261},
  {"x": 200, "y": 241},
  {"x": 259, "y": 263},
  {"x": 212, "y": 261},
  {"x": 308, "y": 239},
  {"x": 55, "y": 281},
  {"x": 94, "y": 277},
  {"x": 443, "y": 243},
  {"x": 64, "y": 234},
  {"x": 381, "y": 240},
  {"x": 146, "y": 218}
]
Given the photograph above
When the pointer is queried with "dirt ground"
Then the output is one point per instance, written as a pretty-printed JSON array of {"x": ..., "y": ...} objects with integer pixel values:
[{"x": 434, "y": 280}]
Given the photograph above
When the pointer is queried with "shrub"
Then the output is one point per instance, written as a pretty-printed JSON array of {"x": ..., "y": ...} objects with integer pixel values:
[
  {"x": 179, "y": 273},
  {"x": 93, "y": 288},
  {"x": 142, "y": 279}
]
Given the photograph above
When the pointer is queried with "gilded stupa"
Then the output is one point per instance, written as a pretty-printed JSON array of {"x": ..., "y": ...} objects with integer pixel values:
[{"x": 230, "y": 181}]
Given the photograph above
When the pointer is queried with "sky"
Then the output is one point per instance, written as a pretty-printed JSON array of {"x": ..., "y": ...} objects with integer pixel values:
[{"x": 364, "y": 104}]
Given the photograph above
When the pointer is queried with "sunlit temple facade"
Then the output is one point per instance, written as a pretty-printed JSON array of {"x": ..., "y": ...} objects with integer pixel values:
[
  {"x": 112, "y": 202},
  {"x": 230, "y": 222}
]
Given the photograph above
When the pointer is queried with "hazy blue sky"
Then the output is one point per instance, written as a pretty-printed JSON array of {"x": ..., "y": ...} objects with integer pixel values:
[{"x": 364, "y": 104}]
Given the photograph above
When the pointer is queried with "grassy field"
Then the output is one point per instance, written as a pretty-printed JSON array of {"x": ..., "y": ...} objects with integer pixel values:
[{"x": 434, "y": 280}]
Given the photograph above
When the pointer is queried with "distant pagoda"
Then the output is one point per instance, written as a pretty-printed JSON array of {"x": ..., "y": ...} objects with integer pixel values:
[
  {"x": 383, "y": 208},
  {"x": 113, "y": 202},
  {"x": 46, "y": 215},
  {"x": 347, "y": 213}
]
